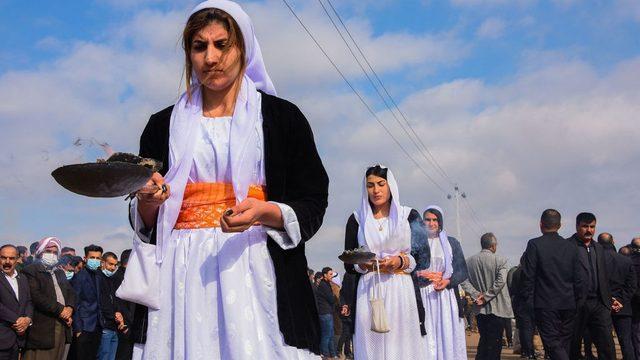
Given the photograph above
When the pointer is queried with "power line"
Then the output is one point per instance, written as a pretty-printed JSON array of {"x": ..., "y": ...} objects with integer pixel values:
[
  {"x": 395, "y": 104},
  {"x": 474, "y": 217},
  {"x": 361, "y": 98}
]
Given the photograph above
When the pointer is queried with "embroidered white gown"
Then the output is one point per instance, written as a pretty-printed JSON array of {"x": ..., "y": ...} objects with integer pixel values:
[
  {"x": 446, "y": 339},
  {"x": 218, "y": 291},
  {"x": 404, "y": 339}
]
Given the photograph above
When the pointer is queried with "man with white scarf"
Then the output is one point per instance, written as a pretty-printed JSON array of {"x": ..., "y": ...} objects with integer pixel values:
[{"x": 53, "y": 303}]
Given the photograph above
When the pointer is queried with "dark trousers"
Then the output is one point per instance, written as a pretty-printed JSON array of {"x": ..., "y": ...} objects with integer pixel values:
[
  {"x": 635, "y": 336},
  {"x": 556, "y": 330},
  {"x": 10, "y": 353},
  {"x": 597, "y": 318},
  {"x": 87, "y": 344},
  {"x": 508, "y": 330},
  {"x": 526, "y": 327},
  {"x": 344, "y": 343},
  {"x": 125, "y": 346},
  {"x": 622, "y": 324},
  {"x": 490, "y": 344}
]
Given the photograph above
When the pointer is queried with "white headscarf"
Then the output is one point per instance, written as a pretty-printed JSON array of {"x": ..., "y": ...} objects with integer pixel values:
[
  {"x": 44, "y": 242},
  {"x": 399, "y": 239},
  {"x": 444, "y": 243},
  {"x": 246, "y": 117}
]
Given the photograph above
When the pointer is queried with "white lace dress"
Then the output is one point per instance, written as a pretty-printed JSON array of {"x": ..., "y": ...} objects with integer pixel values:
[
  {"x": 404, "y": 339},
  {"x": 218, "y": 291},
  {"x": 446, "y": 339}
]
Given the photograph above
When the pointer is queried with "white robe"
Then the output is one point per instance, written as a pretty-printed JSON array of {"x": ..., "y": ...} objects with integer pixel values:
[
  {"x": 446, "y": 338},
  {"x": 404, "y": 340},
  {"x": 218, "y": 294}
]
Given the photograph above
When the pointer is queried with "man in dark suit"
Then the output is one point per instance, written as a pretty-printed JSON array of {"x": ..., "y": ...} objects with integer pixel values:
[
  {"x": 551, "y": 285},
  {"x": 622, "y": 283},
  {"x": 634, "y": 247},
  {"x": 595, "y": 312},
  {"x": 87, "y": 319},
  {"x": 53, "y": 303},
  {"x": 16, "y": 309}
]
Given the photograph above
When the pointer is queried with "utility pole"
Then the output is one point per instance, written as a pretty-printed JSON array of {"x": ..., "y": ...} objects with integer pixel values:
[{"x": 457, "y": 196}]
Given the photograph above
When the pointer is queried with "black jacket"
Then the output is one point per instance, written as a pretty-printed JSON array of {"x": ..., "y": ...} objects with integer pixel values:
[
  {"x": 294, "y": 176},
  {"x": 108, "y": 304},
  {"x": 552, "y": 276},
  {"x": 635, "y": 299},
  {"x": 87, "y": 316},
  {"x": 622, "y": 278},
  {"x": 603, "y": 292},
  {"x": 46, "y": 310},
  {"x": 11, "y": 308},
  {"x": 351, "y": 242},
  {"x": 325, "y": 299}
]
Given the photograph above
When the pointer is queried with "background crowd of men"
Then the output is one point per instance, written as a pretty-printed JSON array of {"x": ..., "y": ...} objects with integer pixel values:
[
  {"x": 574, "y": 292},
  {"x": 55, "y": 305}
]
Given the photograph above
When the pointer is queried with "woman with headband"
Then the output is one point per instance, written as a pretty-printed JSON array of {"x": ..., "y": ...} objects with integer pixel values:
[
  {"x": 386, "y": 228},
  {"x": 441, "y": 268},
  {"x": 243, "y": 190}
]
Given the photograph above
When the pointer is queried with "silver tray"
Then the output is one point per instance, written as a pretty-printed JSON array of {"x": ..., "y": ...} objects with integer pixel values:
[{"x": 356, "y": 257}]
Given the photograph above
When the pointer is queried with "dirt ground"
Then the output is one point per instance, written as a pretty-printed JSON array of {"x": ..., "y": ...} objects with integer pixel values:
[{"x": 472, "y": 342}]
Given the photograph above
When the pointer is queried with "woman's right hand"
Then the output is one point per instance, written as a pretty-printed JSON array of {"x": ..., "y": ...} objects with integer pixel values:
[
  {"x": 154, "y": 200},
  {"x": 433, "y": 276},
  {"x": 368, "y": 266}
]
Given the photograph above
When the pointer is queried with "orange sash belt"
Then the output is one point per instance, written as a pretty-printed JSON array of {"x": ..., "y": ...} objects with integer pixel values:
[{"x": 204, "y": 203}]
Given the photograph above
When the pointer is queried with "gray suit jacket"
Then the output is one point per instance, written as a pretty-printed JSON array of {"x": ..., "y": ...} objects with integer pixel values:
[{"x": 488, "y": 275}]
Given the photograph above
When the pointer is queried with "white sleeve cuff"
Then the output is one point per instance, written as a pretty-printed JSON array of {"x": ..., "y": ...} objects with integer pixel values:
[
  {"x": 412, "y": 264},
  {"x": 357, "y": 268},
  {"x": 290, "y": 237},
  {"x": 138, "y": 225}
]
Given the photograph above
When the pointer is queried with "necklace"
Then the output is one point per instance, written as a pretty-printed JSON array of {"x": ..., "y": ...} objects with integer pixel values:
[{"x": 380, "y": 222}]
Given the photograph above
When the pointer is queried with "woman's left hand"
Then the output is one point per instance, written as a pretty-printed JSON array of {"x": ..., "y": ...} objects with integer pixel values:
[
  {"x": 250, "y": 211},
  {"x": 441, "y": 285},
  {"x": 390, "y": 264}
]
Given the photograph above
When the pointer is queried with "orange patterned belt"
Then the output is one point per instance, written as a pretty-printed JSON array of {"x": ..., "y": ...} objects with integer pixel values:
[{"x": 204, "y": 203}]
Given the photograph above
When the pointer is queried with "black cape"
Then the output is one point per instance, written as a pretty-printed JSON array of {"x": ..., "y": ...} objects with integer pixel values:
[{"x": 296, "y": 177}]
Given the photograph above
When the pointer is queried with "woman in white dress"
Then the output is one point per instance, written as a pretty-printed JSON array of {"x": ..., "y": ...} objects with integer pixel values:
[
  {"x": 439, "y": 271},
  {"x": 385, "y": 227},
  {"x": 232, "y": 264}
]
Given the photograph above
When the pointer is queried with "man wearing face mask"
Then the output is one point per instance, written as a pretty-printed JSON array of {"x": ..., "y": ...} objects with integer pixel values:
[
  {"x": 109, "y": 340},
  {"x": 53, "y": 302},
  {"x": 69, "y": 264},
  {"x": 87, "y": 319}
]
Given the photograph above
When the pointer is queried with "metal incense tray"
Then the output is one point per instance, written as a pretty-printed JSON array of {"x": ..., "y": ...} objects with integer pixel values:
[
  {"x": 121, "y": 174},
  {"x": 357, "y": 256}
]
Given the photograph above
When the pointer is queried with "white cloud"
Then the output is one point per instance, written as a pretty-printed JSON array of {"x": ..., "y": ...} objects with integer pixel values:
[{"x": 491, "y": 28}]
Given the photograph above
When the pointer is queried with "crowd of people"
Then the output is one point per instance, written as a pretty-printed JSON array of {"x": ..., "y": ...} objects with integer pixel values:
[
  {"x": 57, "y": 305},
  {"x": 218, "y": 268},
  {"x": 575, "y": 293}
]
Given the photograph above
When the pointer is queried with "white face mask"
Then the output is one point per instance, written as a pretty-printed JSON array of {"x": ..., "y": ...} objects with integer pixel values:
[{"x": 49, "y": 259}]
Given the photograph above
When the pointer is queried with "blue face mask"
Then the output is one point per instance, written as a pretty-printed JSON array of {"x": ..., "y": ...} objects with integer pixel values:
[
  {"x": 108, "y": 273},
  {"x": 69, "y": 274},
  {"x": 93, "y": 264}
]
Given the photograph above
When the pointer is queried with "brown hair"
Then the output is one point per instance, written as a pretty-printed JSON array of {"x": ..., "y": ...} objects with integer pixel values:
[{"x": 199, "y": 21}]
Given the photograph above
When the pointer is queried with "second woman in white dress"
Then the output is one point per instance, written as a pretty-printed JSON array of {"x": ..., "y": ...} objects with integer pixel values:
[{"x": 385, "y": 227}]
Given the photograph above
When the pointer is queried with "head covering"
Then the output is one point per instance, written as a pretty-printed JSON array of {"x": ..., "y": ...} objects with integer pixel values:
[
  {"x": 444, "y": 242},
  {"x": 42, "y": 244},
  {"x": 399, "y": 238},
  {"x": 246, "y": 119},
  {"x": 336, "y": 279}
]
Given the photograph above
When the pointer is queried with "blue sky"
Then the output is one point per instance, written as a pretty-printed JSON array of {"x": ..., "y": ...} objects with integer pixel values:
[{"x": 526, "y": 104}]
